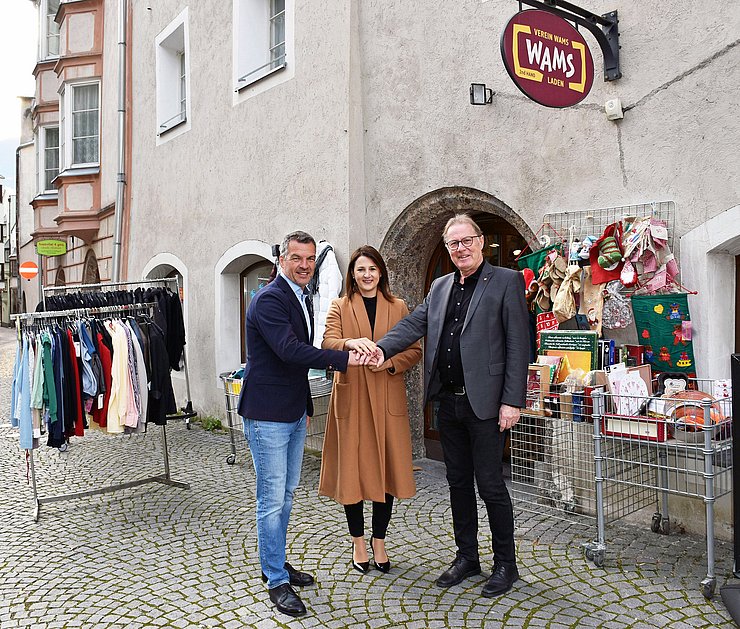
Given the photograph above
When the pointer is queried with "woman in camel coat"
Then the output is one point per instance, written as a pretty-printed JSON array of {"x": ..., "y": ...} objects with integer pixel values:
[{"x": 367, "y": 444}]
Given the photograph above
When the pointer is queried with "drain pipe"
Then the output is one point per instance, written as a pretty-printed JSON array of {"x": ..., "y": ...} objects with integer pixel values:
[
  {"x": 121, "y": 178},
  {"x": 19, "y": 288}
]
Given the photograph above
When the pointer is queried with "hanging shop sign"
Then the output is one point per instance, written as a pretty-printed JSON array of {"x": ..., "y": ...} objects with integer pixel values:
[
  {"x": 548, "y": 59},
  {"x": 51, "y": 247}
]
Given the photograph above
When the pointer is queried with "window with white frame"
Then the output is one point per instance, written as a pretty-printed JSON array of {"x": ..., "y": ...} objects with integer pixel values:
[
  {"x": 47, "y": 155},
  {"x": 80, "y": 125},
  {"x": 172, "y": 56},
  {"x": 263, "y": 38},
  {"x": 49, "y": 29}
]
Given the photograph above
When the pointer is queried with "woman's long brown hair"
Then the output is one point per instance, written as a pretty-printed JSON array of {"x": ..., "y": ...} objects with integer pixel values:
[{"x": 374, "y": 255}]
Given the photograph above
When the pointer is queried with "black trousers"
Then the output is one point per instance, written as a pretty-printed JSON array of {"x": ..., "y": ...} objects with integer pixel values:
[
  {"x": 381, "y": 518},
  {"x": 473, "y": 450}
]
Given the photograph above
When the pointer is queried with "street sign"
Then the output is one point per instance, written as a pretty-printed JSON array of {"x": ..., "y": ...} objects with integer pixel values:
[
  {"x": 51, "y": 247},
  {"x": 28, "y": 270}
]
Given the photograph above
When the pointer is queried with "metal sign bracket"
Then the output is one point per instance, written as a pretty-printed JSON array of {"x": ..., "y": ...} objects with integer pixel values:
[{"x": 605, "y": 28}]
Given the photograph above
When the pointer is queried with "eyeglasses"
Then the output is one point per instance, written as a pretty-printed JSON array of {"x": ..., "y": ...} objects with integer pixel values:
[{"x": 466, "y": 242}]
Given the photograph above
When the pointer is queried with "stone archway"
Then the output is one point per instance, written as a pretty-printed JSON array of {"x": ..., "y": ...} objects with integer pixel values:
[{"x": 407, "y": 248}]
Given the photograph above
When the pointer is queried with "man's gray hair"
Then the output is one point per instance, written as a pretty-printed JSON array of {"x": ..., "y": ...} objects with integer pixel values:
[
  {"x": 297, "y": 236},
  {"x": 462, "y": 218}
]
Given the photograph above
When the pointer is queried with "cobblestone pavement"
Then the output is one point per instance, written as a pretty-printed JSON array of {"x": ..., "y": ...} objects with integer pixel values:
[{"x": 160, "y": 556}]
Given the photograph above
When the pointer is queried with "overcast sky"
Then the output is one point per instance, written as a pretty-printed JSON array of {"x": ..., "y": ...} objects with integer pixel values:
[{"x": 17, "y": 59}]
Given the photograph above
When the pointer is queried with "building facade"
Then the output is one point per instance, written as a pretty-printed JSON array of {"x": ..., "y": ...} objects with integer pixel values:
[
  {"x": 72, "y": 185},
  {"x": 351, "y": 120}
]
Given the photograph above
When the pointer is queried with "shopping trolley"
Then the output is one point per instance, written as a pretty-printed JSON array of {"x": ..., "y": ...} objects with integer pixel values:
[
  {"x": 680, "y": 446},
  {"x": 232, "y": 388},
  {"x": 320, "y": 394}
]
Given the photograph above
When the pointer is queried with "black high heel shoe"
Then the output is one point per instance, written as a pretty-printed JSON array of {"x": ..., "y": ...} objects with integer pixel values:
[
  {"x": 363, "y": 567},
  {"x": 384, "y": 567}
]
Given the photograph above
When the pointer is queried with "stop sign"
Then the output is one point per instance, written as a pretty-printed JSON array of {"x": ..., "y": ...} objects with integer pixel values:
[{"x": 29, "y": 270}]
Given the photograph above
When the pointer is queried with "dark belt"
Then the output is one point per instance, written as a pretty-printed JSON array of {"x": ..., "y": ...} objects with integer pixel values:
[{"x": 451, "y": 388}]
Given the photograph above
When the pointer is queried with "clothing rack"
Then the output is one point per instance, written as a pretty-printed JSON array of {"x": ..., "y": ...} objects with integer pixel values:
[
  {"x": 186, "y": 411},
  {"x": 164, "y": 479}
]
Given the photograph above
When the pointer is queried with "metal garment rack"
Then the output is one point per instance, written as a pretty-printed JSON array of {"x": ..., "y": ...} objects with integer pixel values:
[
  {"x": 186, "y": 412},
  {"x": 164, "y": 479}
]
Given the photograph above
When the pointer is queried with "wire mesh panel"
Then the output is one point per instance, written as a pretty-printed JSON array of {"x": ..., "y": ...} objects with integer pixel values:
[
  {"x": 562, "y": 226},
  {"x": 317, "y": 425},
  {"x": 552, "y": 466},
  {"x": 680, "y": 445},
  {"x": 320, "y": 394},
  {"x": 678, "y": 442}
]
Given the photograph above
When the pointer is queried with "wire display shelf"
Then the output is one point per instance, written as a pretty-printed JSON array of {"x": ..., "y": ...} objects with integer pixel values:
[
  {"x": 679, "y": 445},
  {"x": 565, "y": 226}
]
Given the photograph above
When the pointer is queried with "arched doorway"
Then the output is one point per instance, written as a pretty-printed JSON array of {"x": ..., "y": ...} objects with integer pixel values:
[
  {"x": 236, "y": 274},
  {"x": 60, "y": 279},
  {"x": 251, "y": 280},
  {"x": 90, "y": 271},
  {"x": 415, "y": 255},
  {"x": 500, "y": 243}
]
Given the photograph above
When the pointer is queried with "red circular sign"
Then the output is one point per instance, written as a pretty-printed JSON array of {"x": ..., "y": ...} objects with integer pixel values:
[
  {"x": 547, "y": 58},
  {"x": 28, "y": 270}
]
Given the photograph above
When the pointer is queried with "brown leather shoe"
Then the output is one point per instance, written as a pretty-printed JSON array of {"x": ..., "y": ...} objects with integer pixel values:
[
  {"x": 501, "y": 580},
  {"x": 287, "y": 601}
]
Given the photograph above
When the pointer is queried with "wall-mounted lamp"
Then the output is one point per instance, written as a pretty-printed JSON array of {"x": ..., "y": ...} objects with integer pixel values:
[{"x": 480, "y": 94}]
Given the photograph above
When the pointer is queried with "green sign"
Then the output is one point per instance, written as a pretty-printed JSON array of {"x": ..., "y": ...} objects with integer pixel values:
[{"x": 51, "y": 247}]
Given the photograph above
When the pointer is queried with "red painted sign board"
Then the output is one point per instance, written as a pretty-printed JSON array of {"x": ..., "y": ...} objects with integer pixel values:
[
  {"x": 28, "y": 270},
  {"x": 547, "y": 58}
]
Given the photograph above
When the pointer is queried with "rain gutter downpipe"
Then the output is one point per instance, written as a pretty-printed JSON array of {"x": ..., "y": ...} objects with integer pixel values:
[
  {"x": 19, "y": 289},
  {"x": 121, "y": 178}
]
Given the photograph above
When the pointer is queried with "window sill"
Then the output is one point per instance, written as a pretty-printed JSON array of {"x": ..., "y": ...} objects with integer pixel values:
[
  {"x": 171, "y": 127},
  {"x": 75, "y": 171},
  {"x": 249, "y": 82},
  {"x": 46, "y": 196}
]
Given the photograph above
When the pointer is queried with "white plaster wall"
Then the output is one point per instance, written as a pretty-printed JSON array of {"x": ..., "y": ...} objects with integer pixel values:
[
  {"x": 49, "y": 86},
  {"x": 377, "y": 115},
  {"x": 27, "y": 178},
  {"x": 81, "y": 72},
  {"x": 708, "y": 260},
  {"x": 109, "y": 109},
  {"x": 79, "y": 196},
  {"x": 677, "y": 140},
  {"x": 246, "y": 172},
  {"x": 81, "y": 33}
]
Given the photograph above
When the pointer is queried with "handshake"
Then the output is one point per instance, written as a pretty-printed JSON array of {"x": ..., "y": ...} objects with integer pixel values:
[{"x": 363, "y": 352}]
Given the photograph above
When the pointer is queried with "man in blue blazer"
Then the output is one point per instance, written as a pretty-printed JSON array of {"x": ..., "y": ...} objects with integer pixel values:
[
  {"x": 275, "y": 403},
  {"x": 475, "y": 365}
]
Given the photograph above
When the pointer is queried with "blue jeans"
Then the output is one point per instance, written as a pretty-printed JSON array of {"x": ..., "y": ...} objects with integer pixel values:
[{"x": 277, "y": 454}]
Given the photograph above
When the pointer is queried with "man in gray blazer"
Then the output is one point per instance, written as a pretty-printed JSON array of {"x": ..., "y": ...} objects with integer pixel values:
[{"x": 475, "y": 364}]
